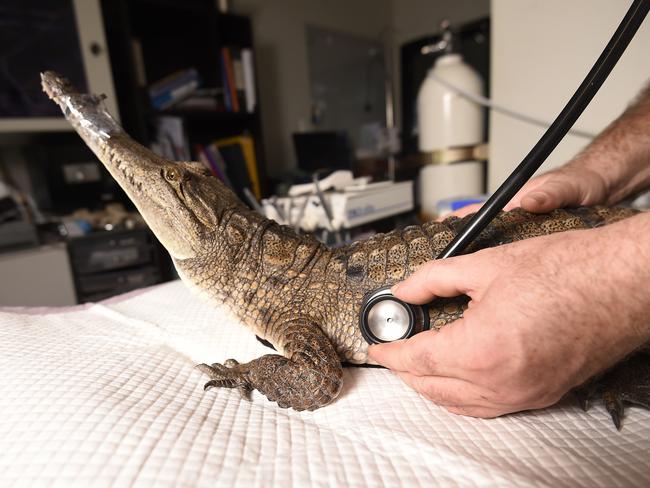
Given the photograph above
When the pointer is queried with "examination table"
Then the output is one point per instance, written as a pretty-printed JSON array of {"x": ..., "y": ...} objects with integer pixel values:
[{"x": 107, "y": 394}]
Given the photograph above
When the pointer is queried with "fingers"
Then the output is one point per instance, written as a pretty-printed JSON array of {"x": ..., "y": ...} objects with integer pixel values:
[
  {"x": 427, "y": 353},
  {"x": 458, "y": 396},
  {"x": 433, "y": 279},
  {"x": 555, "y": 193},
  {"x": 451, "y": 277},
  {"x": 564, "y": 187},
  {"x": 567, "y": 186},
  {"x": 532, "y": 185},
  {"x": 448, "y": 392},
  {"x": 455, "y": 395},
  {"x": 479, "y": 412},
  {"x": 405, "y": 355}
]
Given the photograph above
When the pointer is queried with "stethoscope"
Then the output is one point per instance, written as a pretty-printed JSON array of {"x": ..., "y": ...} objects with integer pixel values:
[{"x": 385, "y": 318}]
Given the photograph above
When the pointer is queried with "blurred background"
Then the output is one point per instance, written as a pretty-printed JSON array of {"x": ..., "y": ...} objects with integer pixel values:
[{"x": 339, "y": 118}]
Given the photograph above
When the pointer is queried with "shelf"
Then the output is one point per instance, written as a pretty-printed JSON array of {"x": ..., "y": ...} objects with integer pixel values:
[
  {"x": 34, "y": 124},
  {"x": 187, "y": 34}
]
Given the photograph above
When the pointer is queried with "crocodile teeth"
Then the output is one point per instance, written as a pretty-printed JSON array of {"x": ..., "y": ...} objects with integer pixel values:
[{"x": 124, "y": 169}]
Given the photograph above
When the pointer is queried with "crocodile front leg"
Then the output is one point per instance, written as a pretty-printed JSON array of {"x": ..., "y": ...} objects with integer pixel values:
[{"x": 308, "y": 376}]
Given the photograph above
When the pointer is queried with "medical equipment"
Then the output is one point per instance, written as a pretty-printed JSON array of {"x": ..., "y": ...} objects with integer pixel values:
[
  {"x": 388, "y": 324},
  {"x": 447, "y": 120},
  {"x": 339, "y": 202},
  {"x": 391, "y": 319}
]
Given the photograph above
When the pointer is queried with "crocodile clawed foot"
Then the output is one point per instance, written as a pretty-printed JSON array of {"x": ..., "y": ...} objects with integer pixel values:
[
  {"x": 628, "y": 383},
  {"x": 308, "y": 376},
  {"x": 227, "y": 375}
]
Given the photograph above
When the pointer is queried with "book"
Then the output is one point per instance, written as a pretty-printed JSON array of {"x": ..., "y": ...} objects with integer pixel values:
[
  {"x": 171, "y": 140},
  {"x": 173, "y": 88},
  {"x": 238, "y": 75},
  {"x": 173, "y": 80},
  {"x": 249, "y": 160},
  {"x": 138, "y": 62},
  {"x": 233, "y": 156},
  {"x": 230, "y": 87},
  {"x": 250, "y": 94},
  {"x": 170, "y": 98},
  {"x": 224, "y": 81},
  {"x": 203, "y": 158},
  {"x": 202, "y": 100},
  {"x": 217, "y": 162}
]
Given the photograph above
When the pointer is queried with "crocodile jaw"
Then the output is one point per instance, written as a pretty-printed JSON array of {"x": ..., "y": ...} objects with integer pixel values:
[{"x": 139, "y": 171}]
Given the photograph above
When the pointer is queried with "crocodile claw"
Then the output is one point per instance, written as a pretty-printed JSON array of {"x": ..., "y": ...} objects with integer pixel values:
[
  {"x": 628, "y": 383},
  {"x": 615, "y": 407},
  {"x": 585, "y": 393},
  {"x": 227, "y": 375}
]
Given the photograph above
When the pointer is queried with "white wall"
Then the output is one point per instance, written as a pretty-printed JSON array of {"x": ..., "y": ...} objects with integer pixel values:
[
  {"x": 281, "y": 50},
  {"x": 541, "y": 51}
]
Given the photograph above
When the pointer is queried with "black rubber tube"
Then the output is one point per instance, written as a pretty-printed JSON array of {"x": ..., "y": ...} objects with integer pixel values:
[{"x": 556, "y": 132}]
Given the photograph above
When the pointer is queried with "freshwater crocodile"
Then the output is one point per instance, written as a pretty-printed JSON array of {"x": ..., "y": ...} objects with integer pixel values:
[{"x": 288, "y": 288}]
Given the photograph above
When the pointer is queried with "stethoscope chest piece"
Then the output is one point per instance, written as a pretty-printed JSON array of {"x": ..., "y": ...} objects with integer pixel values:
[{"x": 385, "y": 318}]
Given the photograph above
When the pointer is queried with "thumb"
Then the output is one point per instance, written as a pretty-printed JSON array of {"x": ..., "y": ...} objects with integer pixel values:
[
  {"x": 534, "y": 184},
  {"x": 427, "y": 353},
  {"x": 553, "y": 194}
]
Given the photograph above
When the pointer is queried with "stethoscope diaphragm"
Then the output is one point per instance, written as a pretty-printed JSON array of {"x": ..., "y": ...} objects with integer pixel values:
[{"x": 386, "y": 318}]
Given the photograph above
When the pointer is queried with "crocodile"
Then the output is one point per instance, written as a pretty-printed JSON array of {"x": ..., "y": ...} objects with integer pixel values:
[{"x": 290, "y": 289}]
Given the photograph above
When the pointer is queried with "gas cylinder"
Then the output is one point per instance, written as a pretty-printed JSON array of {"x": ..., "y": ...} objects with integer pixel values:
[{"x": 446, "y": 119}]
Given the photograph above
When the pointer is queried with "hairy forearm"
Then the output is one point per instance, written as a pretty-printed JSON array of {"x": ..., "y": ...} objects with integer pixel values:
[
  {"x": 628, "y": 242},
  {"x": 620, "y": 155},
  {"x": 613, "y": 263}
]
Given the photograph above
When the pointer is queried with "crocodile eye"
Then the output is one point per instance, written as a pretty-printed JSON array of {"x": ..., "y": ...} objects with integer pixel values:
[{"x": 172, "y": 174}]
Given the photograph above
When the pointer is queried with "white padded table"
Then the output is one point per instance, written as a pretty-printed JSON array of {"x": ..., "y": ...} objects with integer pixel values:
[{"x": 107, "y": 394}]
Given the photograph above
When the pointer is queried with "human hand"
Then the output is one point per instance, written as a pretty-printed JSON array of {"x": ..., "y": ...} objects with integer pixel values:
[
  {"x": 542, "y": 319},
  {"x": 572, "y": 185}
]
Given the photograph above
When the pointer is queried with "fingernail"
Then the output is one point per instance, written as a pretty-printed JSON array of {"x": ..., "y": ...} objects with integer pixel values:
[{"x": 394, "y": 288}]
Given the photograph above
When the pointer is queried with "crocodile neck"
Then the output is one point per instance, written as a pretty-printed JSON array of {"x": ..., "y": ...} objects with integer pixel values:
[{"x": 251, "y": 262}]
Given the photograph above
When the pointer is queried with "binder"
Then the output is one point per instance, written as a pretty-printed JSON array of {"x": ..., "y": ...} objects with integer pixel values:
[{"x": 248, "y": 159}]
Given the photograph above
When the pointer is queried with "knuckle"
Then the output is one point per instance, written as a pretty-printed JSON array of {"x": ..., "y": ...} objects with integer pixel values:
[{"x": 427, "y": 273}]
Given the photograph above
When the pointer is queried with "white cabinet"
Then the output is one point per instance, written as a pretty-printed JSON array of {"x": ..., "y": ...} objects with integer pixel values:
[{"x": 38, "y": 276}]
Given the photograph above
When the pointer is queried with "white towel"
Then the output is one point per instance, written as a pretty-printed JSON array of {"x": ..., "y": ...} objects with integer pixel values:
[{"x": 107, "y": 394}]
